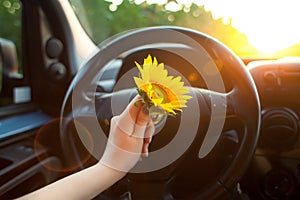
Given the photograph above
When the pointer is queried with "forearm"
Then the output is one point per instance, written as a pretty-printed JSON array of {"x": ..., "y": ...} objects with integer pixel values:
[
  {"x": 85, "y": 184},
  {"x": 129, "y": 137}
]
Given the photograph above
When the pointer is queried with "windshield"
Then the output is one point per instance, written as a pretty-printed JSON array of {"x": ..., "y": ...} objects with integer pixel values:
[{"x": 251, "y": 28}]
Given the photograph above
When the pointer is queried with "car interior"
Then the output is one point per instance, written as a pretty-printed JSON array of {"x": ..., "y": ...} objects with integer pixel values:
[{"x": 238, "y": 138}]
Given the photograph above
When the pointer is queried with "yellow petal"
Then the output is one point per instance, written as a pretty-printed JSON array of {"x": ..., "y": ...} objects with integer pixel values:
[{"x": 162, "y": 90}]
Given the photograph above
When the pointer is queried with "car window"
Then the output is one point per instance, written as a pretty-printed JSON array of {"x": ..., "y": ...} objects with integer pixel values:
[
  {"x": 252, "y": 29},
  {"x": 10, "y": 18},
  {"x": 14, "y": 90}
]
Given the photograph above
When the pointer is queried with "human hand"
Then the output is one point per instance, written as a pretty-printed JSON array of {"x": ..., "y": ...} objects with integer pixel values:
[{"x": 129, "y": 137}]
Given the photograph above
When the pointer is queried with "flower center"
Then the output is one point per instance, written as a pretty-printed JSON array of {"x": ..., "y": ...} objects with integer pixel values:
[{"x": 159, "y": 92}]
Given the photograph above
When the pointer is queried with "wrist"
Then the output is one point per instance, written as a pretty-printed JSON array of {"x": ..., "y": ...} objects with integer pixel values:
[{"x": 113, "y": 173}]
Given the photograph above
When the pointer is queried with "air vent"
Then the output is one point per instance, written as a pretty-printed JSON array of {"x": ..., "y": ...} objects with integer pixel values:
[{"x": 279, "y": 130}]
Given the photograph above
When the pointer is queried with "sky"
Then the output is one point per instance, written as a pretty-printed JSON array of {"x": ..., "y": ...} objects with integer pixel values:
[{"x": 270, "y": 25}]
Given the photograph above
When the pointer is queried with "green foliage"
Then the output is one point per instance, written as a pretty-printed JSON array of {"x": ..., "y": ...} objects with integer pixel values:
[
  {"x": 102, "y": 23},
  {"x": 10, "y": 20},
  {"x": 145, "y": 99}
]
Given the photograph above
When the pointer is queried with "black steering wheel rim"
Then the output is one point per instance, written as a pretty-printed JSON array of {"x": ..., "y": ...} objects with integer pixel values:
[{"x": 243, "y": 91}]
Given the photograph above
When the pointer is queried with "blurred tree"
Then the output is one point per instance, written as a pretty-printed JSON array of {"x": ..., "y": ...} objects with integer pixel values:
[
  {"x": 128, "y": 15},
  {"x": 108, "y": 19},
  {"x": 102, "y": 19},
  {"x": 10, "y": 20},
  {"x": 199, "y": 19}
]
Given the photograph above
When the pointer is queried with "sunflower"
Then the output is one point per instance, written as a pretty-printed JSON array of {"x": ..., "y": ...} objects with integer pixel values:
[{"x": 157, "y": 89}]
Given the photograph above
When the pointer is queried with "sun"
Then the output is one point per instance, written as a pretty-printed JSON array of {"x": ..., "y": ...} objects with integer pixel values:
[
  {"x": 269, "y": 25},
  {"x": 159, "y": 89}
]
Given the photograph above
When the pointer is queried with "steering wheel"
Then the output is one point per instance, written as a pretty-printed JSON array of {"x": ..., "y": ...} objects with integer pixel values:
[{"x": 211, "y": 142}]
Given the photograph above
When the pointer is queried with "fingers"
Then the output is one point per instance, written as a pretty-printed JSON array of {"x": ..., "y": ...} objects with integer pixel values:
[
  {"x": 134, "y": 108},
  {"x": 143, "y": 117},
  {"x": 142, "y": 120},
  {"x": 130, "y": 135},
  {"x": 148, "y": 137},
  {"x": 145, "y": 151},
  {"x": 134, "y": 119},
  {"x": 149, "y": 131}
]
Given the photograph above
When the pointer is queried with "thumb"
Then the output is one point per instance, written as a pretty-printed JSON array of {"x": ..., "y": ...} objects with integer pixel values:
[
  {"x": 141, "y": 123},
  {"x": 128, "y": 118},
  {"x": 143, "y": 117}
]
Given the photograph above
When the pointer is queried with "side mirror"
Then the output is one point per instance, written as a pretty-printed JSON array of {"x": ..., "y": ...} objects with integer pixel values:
[
  {"x": 9, "y": 59},
  {"x": 8, "y": 68}
]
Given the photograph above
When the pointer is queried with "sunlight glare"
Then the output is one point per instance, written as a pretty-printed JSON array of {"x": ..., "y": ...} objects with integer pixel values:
[
  {"x": 112, "y": 7},
  {"x": 156, "y": 2},
  {"x": 270, "y": 25},
  {"x": 172, "y": 6}
]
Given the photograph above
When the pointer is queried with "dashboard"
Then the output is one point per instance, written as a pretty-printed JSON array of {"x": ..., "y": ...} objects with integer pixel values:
[{"x": 275, "y": 170}]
